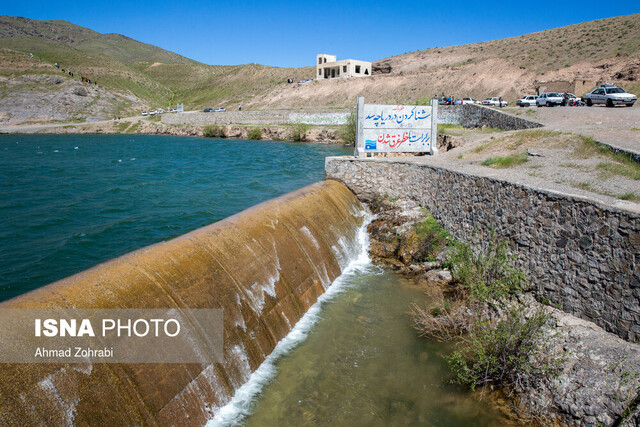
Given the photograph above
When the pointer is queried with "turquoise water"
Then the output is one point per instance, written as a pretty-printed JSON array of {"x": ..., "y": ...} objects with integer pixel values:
[{"x": 69, "y": 202}]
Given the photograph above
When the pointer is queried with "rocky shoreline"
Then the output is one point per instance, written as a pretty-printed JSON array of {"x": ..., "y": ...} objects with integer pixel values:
[
  {"x": 318, "y": 134},
  {"x": 599, "y": 377}
]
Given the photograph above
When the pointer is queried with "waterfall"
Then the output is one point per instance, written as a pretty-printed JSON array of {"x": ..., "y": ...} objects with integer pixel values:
[{"x": 265, "y": 267}]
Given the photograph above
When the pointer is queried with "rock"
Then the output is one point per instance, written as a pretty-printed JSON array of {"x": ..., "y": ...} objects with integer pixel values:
[
  {"x": 430, "y": 265},
  {"x": 380, "y": 68},
  {"x": 80, "y": 91},
  {"x": 438, "y": 276},
  {"x": 409, "y": 245},
  {"x": 380, "y": 249}
]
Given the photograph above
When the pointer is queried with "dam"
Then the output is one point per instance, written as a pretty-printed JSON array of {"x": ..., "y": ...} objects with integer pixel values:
[{"x": 302, "y": 305}]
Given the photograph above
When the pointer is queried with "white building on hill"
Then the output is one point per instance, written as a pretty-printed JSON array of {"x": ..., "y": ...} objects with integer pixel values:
[{"x": 328, "y": 68}]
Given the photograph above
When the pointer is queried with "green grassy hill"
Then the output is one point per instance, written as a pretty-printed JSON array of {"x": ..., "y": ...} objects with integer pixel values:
[{"x": 152, "y": 74}]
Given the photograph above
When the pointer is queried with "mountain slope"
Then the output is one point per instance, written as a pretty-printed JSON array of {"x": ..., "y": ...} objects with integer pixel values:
[{"x": 132, "y": 76}]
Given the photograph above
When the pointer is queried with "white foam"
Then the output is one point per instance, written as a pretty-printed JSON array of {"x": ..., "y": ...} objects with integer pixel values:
[{"x": 239, "y": 406}]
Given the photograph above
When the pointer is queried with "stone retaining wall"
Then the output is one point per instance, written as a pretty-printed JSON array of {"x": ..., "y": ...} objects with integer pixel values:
[
  {"x": 261, "y": 117},
  {"x": 581, "y": 255},
  {"x": 473, "y": 116}
]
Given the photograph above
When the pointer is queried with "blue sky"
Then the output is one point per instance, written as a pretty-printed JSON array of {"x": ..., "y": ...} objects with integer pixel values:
[{"x": 290, "y": 34}]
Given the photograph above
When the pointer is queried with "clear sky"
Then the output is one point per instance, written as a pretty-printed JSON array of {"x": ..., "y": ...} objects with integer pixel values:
[{"x": 290, "y": 34}]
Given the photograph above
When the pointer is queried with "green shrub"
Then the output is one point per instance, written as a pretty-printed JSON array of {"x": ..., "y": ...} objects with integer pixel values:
[
  {"x": 298, "y": 131},
  {"x": 512, "y": 352},
  {"x": 214, "y": 132},
  {"x": 501, "y": 162},
  {"x": 255, "y": 133},
  {"x": 347, "y": 131},
  {"x": 432, "y": 237},
  {"x": 487, "y": 274}
]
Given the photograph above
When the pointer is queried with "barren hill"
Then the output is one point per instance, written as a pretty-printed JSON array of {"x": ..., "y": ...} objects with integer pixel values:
[
  {"x": 606, "y": 50},
  {"x": 132, "y": 76}
]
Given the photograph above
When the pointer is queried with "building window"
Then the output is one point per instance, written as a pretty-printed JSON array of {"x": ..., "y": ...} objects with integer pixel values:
[
  {"x": 366, "y": 71},
  {"x": 319, "y": 72},
  {"x": 357, "y": 69},
  {"x": 344, "y": 69},
  {"x": 319, "y": 60},
  {"x": 325, "y": 60}
]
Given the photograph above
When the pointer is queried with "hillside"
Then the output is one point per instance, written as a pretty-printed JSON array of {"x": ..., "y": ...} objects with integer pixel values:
[
  {"x": 606, "y": 50},
  {"x": 132, "y": 75}
]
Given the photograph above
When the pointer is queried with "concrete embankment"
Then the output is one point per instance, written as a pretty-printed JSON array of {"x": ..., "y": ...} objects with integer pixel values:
[{"x": 264, "y": 267}]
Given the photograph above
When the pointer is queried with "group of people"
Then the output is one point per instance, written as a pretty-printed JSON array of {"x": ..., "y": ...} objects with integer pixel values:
[{"x": 84, "y": 79}]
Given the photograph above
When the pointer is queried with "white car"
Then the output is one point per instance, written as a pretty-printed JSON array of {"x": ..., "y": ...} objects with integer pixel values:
[
  {"x": 527, "y": 101},
  {"x": 495, "y": 102},
  {"x": 144, "y": 113},
  {"x": 160, "y": 111},
  {"x": 549, "y": 99},
  {"x": 610, "y": 95},
  {"x": 469, "y": 101}
]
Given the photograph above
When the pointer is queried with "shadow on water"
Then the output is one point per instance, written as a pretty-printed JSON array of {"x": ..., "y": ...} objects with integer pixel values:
[{"x": 363, "y": 364}]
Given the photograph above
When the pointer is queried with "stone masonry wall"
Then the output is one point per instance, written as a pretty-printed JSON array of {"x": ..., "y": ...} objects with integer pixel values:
[
  {"x": 579, "y": 254},
  {"x": 473, "y": 116}
]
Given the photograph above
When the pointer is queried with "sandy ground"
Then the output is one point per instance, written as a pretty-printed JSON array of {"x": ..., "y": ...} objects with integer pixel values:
[{"x": 618, "y": 127}]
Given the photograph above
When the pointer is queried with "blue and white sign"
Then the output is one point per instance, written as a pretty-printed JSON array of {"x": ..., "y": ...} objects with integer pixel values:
[{"x": 395, "y": 128}]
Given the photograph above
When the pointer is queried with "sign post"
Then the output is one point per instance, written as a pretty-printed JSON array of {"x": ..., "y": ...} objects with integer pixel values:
[{"x": 395, "y": 128}]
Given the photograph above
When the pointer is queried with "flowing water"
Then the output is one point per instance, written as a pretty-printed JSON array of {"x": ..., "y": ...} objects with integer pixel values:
[
  {"x": 69, "y": 202},
  {"x": 355, "y": 360}
]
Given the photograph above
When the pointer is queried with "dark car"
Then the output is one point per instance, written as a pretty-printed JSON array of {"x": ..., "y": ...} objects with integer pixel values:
[{"x": 208, "y": 110}]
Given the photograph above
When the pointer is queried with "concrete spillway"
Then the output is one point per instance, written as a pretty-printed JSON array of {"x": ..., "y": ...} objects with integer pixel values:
[{"x": 265, "y": 267}]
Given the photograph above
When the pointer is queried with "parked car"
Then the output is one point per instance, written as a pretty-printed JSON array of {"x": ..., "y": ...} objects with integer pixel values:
[
  {"x": 208, "y": 110},
  {"x": 495, "y": 102},
  {"x": 220, "y": 110},
  {"x": 610, "y": 95},
  {"x": 144, "y": 113},
  {"x": 469, "y": 101},
  {"x": 305, "y": 80},
  {"x": 152, "y": 113},
  {"x": 549, "y": 99},
  {"x": 527, "y": 101},
  {"x": 442, "y": 101},
  {"x": 160, "y": 111}
]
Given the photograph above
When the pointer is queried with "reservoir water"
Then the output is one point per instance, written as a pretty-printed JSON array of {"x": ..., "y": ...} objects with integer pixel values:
[{"x": 69, "y": 202}]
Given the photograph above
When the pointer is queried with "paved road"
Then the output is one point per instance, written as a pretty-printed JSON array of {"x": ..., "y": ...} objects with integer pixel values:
[{"x": 618, "y": 127}]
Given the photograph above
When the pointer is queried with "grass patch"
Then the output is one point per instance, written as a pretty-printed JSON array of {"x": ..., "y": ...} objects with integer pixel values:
[
  {"x": 134, "y": 127},
  {"x": 588, "y": 147},
  {"x": 299, "y": 131},
  {"x": 503, "y": 162},
  {"x": 633, "y": 197},
  {"x": 213, "y": 131},
  {"x": 432, "y": 237},
  {"x": 487, "y": 274},
  {"x": 623, "y": 166},
  {"x": 347, "y": 131},
  {"x": 254, "y": 133},
  {"x": 511, "y": 352},
  {"x": 122, "y": 126}
]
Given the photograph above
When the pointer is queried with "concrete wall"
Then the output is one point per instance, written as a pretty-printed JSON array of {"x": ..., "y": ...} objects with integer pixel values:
[
  {"x": 465, "y": 115},
  {"x": 580, "y": 254},
  {"x": 471, "y": 116},
  {"x": 263, "y": 117}
]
